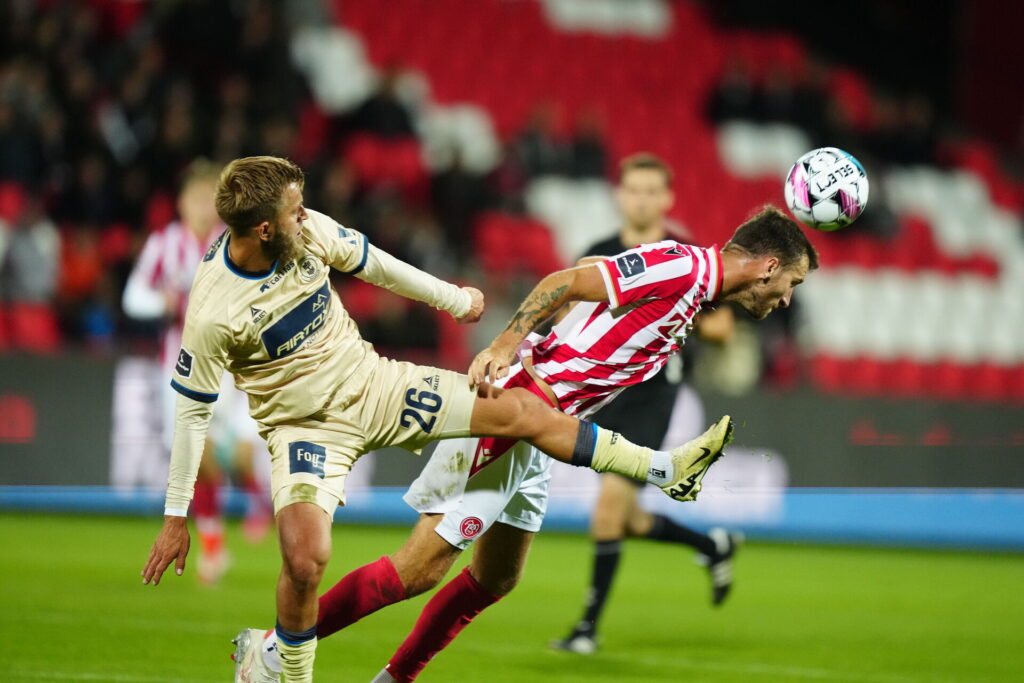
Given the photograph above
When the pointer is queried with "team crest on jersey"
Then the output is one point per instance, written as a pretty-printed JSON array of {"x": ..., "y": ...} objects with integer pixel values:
[
  {"x": 631, "y": 265},
  {"x": 470, "y": 527},
  {"x": 308, "y": 268}
]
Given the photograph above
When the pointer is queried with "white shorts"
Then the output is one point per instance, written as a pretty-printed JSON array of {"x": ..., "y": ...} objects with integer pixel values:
[{"x": 476, "y": 482}]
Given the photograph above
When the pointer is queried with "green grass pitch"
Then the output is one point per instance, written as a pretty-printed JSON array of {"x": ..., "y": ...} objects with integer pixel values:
[{"x": 74, "y": 609}]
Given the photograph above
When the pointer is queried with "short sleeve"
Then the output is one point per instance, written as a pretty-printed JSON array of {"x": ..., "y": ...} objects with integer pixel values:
[
  {"x": 200, "y": 362},
  {"x": 661, "y": 270},
  {"x": 342, "y": 248}
]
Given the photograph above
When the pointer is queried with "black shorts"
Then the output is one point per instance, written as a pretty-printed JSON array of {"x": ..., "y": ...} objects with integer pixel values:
[{"x": 640, "y": 413}]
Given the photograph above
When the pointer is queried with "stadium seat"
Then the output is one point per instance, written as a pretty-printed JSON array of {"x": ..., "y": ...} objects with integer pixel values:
[
  {"x": 12, "y": 201},
  {"x": 33, "y": 327}
]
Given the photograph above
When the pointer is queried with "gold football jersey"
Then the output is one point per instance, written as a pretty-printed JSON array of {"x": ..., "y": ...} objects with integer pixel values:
[{"x": 282, "y": 333}]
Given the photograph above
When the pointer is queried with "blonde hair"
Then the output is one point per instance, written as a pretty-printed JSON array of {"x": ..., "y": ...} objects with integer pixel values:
[{"x": 250, "y": 190}]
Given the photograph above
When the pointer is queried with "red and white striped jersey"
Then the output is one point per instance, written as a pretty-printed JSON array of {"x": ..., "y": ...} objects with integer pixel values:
[
  {"x": 598, "y": 349},
  {"x": 166, "y": 265}
]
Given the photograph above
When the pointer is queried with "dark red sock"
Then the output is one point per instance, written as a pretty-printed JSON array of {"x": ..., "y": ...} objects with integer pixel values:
[
  {"x": 447, "y": 613},
  {"x": 362, "y": 591},
  {"x": 206, "y": 501},
  {"x": 250, "y": 485}
]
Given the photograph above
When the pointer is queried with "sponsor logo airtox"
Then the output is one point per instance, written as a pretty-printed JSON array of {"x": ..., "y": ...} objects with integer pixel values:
[
  {"x": 308, "y": 268},
  {"x": 300, "y": 324},
  {"x": 281, "y": 272}
]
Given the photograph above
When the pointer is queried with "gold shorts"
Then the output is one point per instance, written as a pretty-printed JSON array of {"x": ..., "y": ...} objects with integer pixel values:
[{"x": 400, "y": 404}]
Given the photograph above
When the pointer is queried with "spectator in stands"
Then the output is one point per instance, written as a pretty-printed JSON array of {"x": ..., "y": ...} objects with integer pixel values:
[
  {"x": 734, "y": 96},
  {"x": 457, "y": 196},
  {"x": 538, "y": 148},
  {"x": 19, "y": 154},
  {"x": 383, "y": 113},
  {"x": 29, "y": 268},
  {"x": 587, "y": 155}
]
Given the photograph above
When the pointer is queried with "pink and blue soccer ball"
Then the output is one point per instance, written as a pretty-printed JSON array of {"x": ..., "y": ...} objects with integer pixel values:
[{"x": 826, "y": 189}]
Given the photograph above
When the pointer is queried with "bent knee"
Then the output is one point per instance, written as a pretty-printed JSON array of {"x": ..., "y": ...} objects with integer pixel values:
[{"x": 305, "y": 567}]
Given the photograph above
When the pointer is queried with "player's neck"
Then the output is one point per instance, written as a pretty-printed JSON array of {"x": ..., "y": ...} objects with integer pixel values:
[
  {"x": 738, "y": 271},
  {"x": 247, "y": 254},
  {"x": 632, "y": 235}
]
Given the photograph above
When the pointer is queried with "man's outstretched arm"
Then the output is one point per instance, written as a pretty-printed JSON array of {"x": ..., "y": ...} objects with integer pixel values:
[
  {"x": 465, "y": 304},
  {"x": 583, "y": 283}
]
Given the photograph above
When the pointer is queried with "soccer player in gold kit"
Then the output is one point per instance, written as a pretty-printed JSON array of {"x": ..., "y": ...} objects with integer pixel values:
[{"x": 262, "y": 307}]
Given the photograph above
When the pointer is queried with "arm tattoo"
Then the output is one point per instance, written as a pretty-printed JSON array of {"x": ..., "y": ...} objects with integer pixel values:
[{"x": 535, "y": 309}]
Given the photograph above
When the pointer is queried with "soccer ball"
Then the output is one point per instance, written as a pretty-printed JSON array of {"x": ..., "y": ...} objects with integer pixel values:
[{"x": 826, "y": 189}]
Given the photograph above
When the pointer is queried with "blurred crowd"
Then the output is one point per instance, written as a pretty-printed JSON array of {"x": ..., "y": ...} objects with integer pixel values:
[{"x": 103, "y": 105}]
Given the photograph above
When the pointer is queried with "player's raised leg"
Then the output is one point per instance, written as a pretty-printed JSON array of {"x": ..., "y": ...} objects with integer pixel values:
[{"x": 519, "y": 413}]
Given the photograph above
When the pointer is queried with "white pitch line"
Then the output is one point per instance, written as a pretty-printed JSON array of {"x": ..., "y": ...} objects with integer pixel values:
[{"x": 90, "y": 676}]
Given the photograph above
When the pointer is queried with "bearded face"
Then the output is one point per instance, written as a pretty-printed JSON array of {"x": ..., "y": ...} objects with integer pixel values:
[{"x": 283, "y": 246}]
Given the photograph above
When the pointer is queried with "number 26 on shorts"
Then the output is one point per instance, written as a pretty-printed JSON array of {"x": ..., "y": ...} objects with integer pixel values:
[{"x": 420, "y": 401}]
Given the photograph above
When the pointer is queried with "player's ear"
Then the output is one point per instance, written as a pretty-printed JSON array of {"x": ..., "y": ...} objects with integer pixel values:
[
  {"x": 770, "y": 267},
  {"x": 263, "y": 231}
]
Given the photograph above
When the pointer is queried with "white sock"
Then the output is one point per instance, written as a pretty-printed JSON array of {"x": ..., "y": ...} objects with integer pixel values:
[
  {"x": 269, "y": 650},
  {"x": 384, "y": 677},
  {"x": 297, "y": 661},
  {"x": 661, "y": 470}
]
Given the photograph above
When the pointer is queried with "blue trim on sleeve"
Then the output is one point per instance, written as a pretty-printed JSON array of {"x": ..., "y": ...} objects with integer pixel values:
[
  {"x": 247, "y": 274},
  {"x": 362, "y": 263},
  {"x": 194, "y": 395}
]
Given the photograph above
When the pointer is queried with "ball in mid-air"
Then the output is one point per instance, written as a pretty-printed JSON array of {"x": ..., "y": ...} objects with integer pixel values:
[{"x": 826, "y": 189}]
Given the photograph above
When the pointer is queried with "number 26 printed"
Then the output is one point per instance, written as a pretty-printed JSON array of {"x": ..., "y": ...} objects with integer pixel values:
[{"x": 425, "y": 401}]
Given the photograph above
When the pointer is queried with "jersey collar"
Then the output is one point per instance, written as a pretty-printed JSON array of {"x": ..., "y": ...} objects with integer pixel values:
[
  {"x": 241, "y": 272},
  {"x": 716, "y": 274}
]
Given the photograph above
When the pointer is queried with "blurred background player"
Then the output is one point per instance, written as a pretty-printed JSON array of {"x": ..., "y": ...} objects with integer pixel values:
[
  {"x": 643, "y": 413},
  {"x": 157, "y": 290}
]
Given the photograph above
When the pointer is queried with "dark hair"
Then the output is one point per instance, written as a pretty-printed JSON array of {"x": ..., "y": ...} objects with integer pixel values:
[
  {"x": 250, "y": 190},
  {"x": 646, "y": 161},
  {"x": 773, "y": 233}
]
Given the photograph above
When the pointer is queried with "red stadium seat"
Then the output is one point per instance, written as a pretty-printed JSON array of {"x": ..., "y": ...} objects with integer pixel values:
[
  {"x": 33, "y": 327},
  {"x": 12, "y": 201}
]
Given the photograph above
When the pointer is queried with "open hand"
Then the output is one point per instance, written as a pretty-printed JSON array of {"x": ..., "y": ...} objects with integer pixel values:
[
  {"x": 491, "y": 364},
  {"x": 171, "y": 545}
]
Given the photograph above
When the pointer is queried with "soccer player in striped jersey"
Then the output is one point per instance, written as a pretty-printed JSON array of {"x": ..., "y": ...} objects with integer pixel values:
[
  {"x": 157, "y": 290},
  {"x": 262, "y": 307},
  {"x": 630, "y": 313},
  {"x": 643, "y": 413}
]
